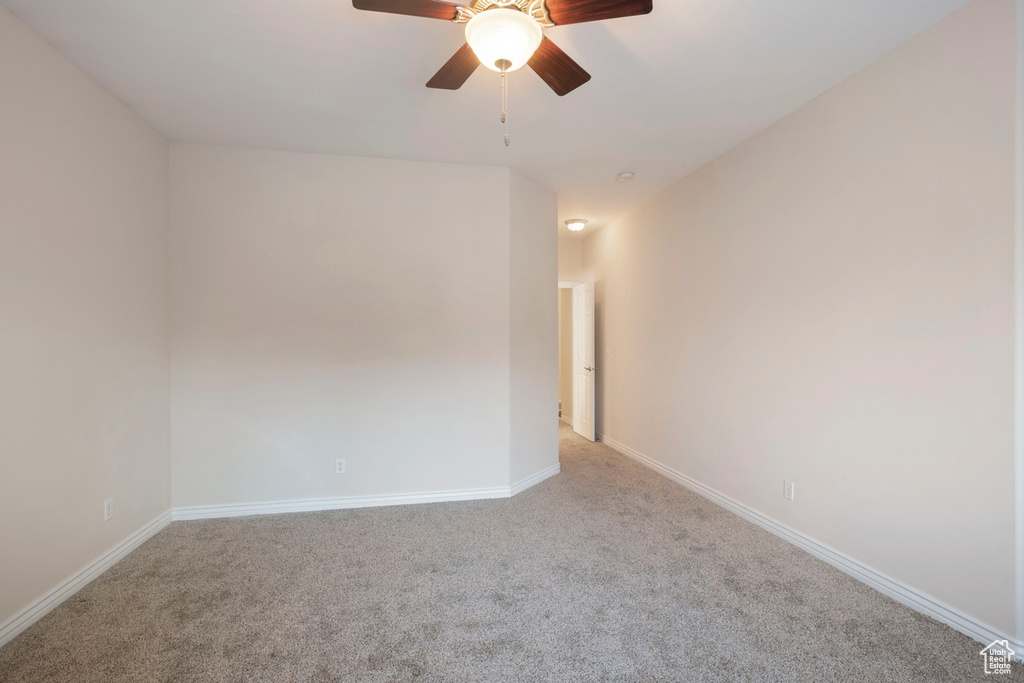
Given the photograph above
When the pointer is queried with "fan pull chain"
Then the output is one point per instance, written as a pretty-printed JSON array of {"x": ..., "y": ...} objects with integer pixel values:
[{"x": 504, "y": 96}]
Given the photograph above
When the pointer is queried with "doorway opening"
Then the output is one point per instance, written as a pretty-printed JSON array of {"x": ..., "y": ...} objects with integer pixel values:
[{"x": 576, "y": 362}]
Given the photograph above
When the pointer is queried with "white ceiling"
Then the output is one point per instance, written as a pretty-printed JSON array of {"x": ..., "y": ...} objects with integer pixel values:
[{"x": 671, "y": 90}]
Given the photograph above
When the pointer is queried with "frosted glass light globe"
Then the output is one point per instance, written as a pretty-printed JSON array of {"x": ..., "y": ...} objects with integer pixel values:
[{"x": 503, "y": 34}]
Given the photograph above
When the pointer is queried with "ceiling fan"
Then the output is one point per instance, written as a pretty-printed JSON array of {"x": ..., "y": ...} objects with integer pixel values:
[{"x": 505, "y": 35}]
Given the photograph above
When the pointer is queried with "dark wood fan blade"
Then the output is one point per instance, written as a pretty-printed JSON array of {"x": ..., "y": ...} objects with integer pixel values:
[
  {"x": 456, "y": 70},
  {"x": 557, "y": 69},
  {"x": 564, "y": 12},
  {"x": 432, "y": 9}
]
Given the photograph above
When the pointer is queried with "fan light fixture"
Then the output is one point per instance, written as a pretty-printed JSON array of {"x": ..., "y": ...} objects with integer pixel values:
[
  {"x": 575, "y": 224},
  {"x": 503, "y": 39},
  {"x": 505, "y": 35}
]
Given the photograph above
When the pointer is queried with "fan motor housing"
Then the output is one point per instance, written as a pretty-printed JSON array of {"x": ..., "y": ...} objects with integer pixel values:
[{"x": 535, "y": 8}]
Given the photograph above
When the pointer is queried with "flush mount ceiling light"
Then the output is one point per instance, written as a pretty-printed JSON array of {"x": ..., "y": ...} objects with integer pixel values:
[
  {"x": 505, "y": 35},
  {"x": 575, "y": 224},
  {"x": 625, "y": 176}
]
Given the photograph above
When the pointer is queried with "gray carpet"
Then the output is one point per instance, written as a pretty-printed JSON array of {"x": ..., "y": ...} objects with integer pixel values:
[{"x": 607, "y": 572}]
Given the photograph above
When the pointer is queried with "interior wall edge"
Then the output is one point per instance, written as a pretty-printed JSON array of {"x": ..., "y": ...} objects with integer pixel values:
[
  {"x": 52, "y": 599},
  {"x": 907, "y": 595},
  {"x": 1019, "y": 327},
  {"x": 534, "y": 479},
  {"x": 533, "y": 330}
]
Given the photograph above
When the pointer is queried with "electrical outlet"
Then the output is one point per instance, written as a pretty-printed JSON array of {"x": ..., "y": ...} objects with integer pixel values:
[
  {"x": 339, "y": 466},
  {"x": 108, "y": 509},
  {"x": 789, "y": 491}
]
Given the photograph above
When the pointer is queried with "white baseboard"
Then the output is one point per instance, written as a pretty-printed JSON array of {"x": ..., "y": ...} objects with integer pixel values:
[
  {"x": 37, "y": 610},
  {"x": 900, "y": 592},
  {"x": 535, "y": 479},
  {"x": 349, "y": 502},
  {"x": 566, "y": 420},
  {"x": 342, "y": 503}
]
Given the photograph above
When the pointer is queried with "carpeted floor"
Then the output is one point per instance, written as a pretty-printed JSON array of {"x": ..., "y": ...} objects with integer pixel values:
[{"x": 607, "y": 572}]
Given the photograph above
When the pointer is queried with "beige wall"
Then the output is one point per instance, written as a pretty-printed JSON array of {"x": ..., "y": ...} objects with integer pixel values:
[
  {"x": 327, "y": 307},
  {"x": 565, "y": 352},
  {"x": 570, "y": 260},
  {"x": 832, "y": 303},
  {"x": 84, "y": 406},
  {"x": 533, "y": 344}
]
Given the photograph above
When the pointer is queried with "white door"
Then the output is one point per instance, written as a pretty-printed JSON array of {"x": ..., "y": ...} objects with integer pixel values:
[{"x": 583, "y": 368}]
